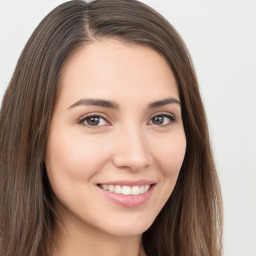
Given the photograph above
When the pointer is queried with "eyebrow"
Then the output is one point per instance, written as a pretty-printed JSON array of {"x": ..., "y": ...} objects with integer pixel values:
[
  {"x": 114, "y": 105},
  {"x": 96, "y": 102},
  {"x": 163, "y": 102}
]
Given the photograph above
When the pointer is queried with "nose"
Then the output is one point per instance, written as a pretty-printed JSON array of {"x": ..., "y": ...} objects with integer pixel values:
[{"x": 132, "y": 151}]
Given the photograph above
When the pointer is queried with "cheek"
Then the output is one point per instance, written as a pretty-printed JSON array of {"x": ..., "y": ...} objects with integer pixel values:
[
  {"x": 170, "y": 154},
  {"x": 74, "y": 157}
]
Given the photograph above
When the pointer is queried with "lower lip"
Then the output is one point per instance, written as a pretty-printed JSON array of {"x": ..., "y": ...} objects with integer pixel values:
[{"x": 128, "y": 201}]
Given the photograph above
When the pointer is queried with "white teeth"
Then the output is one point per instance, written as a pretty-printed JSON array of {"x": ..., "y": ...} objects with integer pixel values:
[
  {"x": 126, "y": 190},
  {"x": 118, "y": 189},
  {"x": 105, "y": 187},
  {"x": 142, "y": 189},
  {"x": 135, "y": 190},
  {"x": 111, "y": 188}
]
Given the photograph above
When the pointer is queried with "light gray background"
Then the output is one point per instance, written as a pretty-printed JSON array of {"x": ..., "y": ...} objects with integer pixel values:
[{"x": 221, "y": 36}]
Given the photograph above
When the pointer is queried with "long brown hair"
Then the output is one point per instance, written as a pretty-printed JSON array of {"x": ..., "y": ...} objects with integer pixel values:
[{"x": 191, "y": 221}]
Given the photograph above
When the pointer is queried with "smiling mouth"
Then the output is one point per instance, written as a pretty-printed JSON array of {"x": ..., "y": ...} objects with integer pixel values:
[{"x": 126, "y": 190}]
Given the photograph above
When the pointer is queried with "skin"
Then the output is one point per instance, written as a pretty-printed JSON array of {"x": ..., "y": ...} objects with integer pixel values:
[{"x": 128, "y": 143}]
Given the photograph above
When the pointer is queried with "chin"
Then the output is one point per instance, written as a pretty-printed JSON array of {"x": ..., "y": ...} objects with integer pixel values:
[{"x": 130, "y": 228}]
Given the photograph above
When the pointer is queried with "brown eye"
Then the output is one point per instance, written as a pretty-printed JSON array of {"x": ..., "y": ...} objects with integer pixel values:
[
  {"x": 158, "y": 120},
  {"x": 161, "y": 120},
  {"x": 94, "y": 121}
]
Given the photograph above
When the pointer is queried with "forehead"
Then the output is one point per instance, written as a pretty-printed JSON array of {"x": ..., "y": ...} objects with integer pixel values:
[{"x": 117, "y": 70}]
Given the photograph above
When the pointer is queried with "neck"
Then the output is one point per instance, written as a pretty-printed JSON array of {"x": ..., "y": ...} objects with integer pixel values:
[{"x": 76, "y": 239}]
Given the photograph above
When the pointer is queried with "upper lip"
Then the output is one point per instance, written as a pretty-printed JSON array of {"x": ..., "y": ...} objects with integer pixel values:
[{"x": 129, "y": 182}]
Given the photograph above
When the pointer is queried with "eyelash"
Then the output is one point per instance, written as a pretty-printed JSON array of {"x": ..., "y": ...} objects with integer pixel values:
[
  {"x": 171, "y": 120},
  {"x": 94, "y": 115}
]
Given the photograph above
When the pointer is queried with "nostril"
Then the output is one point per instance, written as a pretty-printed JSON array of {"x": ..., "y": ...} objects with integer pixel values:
[{"x": 132, "y": 163}]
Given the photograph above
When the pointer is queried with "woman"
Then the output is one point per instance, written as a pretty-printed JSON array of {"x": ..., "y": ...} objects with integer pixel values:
[{"x": 104, "y": 142}]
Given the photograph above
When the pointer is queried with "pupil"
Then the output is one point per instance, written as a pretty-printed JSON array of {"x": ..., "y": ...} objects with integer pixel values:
[
  {"x": 158, "y": 120},
  {"x": 93, "y": 121}
]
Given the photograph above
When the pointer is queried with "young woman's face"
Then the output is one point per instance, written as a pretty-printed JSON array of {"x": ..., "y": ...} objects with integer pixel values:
[{"x": 116, "y": 142}]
